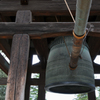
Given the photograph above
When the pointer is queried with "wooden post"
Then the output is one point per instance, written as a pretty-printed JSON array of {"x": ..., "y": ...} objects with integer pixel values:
[
  {"x": 91, "y": 96},
  {"x": 41, "y": 91},
  {"x": 27, "y": 89},
  {"x": 19, "y": 61}
]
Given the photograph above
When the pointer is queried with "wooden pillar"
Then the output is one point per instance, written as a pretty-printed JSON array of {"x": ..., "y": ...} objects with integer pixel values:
[
  {"x": 91, "y": 96},
  {"x": 27, "y": 89},
  {"x": 19, "y": 61},
  {"x": 41, "y": 91}
]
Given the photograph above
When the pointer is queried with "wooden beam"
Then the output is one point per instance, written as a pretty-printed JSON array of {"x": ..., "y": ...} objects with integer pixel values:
[
  {"x": 39, "y": 82},
  {"x": 36, "y": 30},
  {"x": 19, "y": 61},
  {"x": 94, "y": 46},
  {"x": 5, "y": 47},
  {"x": 2, "y": 18},
  {"x": 27, "y": 88},
  {"x": 24, "y": 2},
  {"x": 3, "y": 81},
  {"x": 4, "y": 64},
  {"x": 40, "y": 30},
  {"x": 37, "y": 68},
  {"x": 91, "y": 96},
  {"x": 43, "y": 6},
  {"x": 41, "y": 47},
  {"x": 41, "y": 93},
  {"x": 97, "y": 82},
  {"x": 96, "y": 68},
  {"x": 18, "y": 67}
]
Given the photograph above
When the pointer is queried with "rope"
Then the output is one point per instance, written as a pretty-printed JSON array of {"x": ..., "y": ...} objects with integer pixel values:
[
  {"x": 69, "y": 10},
  {"x": 66, "y": 46},
  {"x": 56, "y": 18},
  {"x": 64, "y": 39}
]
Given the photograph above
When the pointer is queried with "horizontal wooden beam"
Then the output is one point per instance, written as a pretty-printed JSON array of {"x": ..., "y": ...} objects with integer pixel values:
[
  {"x": 37, "y": 68},
  {"x": 38, "y": 30},
  {"x": 43, "y": 6},
  {"x": 36, "y": 82}
]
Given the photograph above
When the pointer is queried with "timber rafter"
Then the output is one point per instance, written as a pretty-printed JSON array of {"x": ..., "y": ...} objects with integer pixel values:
[
  {"x": 43, "y": 7},
  {"x": 39, "y": 30}
]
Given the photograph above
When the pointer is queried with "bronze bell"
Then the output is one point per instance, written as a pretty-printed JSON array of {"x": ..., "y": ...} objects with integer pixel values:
[{"x": 60, "y": 78}]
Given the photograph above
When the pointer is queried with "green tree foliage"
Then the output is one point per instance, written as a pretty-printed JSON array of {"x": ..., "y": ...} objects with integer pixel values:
[
  {"x": 98, "y": 89},
  {"x": 2, "y": 87},
  {"x": 34, "y": 89},
  {"x": 33, "y": 92},
  {"x": 82, "y": 96}
]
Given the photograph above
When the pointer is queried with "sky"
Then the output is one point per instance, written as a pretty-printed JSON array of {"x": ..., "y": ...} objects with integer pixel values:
[{"x": 97, "y": 59}]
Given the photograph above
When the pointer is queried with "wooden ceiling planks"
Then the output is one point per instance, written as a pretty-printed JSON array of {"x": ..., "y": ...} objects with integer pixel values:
[{"x": 44, "y": 7}]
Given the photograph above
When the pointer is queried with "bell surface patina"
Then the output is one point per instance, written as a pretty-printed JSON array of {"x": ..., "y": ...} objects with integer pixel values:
[{"x": 60, "y": 78}]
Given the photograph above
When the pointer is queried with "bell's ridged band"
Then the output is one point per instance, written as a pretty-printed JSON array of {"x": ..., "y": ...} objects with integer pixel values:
[{"x": 77, "y": 37}]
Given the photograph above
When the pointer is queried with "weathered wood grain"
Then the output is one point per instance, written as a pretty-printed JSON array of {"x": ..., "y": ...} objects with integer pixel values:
[
  {"x": 91, "y": 96},
  {"x": 39, "y": 30},
  {"x": 18, "y": 68},
  {"x": 42, "y": 5},
  {"x": 19, "y": 61}
]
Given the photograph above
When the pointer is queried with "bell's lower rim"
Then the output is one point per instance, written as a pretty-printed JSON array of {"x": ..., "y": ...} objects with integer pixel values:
[{"x": 57, "y": 87}]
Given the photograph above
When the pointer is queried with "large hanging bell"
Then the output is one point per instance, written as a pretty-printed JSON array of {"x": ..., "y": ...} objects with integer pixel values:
[{"x": 60, "y": 78}]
